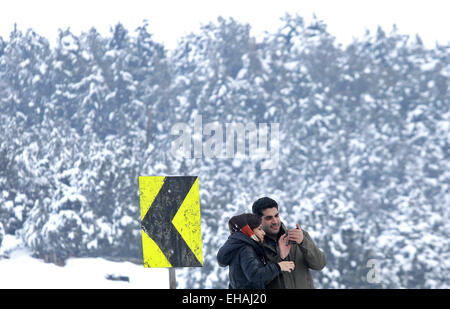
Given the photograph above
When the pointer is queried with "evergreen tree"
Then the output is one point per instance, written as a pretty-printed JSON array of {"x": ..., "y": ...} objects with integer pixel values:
[{"x": 25, "y": 87}]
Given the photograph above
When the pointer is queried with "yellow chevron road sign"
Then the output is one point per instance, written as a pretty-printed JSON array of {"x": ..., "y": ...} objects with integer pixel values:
[{"x": 170, "y": 221}]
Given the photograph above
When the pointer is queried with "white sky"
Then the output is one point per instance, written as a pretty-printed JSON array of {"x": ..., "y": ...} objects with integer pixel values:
[{"x": 170, "y": 19}]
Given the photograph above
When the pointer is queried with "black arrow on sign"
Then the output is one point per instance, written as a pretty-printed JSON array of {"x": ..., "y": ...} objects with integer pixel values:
[{"x": 157, "y": 223}]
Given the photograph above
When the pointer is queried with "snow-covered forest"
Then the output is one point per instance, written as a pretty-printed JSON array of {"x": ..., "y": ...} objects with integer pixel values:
[{"x": 364, "y": 143}]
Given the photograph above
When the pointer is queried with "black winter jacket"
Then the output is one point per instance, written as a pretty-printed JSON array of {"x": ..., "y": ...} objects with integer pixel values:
[{"x": 248, "y": 268}]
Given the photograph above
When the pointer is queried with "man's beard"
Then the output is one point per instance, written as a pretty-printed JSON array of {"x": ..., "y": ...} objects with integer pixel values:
[{"x": 272, "y": 230}]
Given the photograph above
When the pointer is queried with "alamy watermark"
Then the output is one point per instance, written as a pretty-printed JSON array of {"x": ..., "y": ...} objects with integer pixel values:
[
  {"x": 218, "y": 145},
  {"x": 373, "y": 276}
]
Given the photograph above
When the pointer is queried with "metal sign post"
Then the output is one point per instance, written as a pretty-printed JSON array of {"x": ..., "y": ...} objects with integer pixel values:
[{"x": 172, "y": 278}]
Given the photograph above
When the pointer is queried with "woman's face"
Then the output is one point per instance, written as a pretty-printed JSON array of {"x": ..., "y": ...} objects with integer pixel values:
[{"x": 259, "y": 232}]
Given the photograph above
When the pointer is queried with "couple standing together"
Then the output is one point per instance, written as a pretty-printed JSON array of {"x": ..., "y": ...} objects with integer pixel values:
[{"x": 262, "y": 253}]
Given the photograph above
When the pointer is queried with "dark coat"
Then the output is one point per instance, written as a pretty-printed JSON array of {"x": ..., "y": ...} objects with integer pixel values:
[
  {"x": 306, "y": 256},
  {"x": 248, "y": 268}
]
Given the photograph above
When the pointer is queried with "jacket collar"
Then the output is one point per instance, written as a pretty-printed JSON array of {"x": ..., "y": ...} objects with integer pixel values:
[{"x": 239, "y": 237}]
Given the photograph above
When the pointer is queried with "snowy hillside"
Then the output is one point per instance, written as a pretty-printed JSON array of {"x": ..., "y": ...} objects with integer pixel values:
[{"x": 21, "y": 271}]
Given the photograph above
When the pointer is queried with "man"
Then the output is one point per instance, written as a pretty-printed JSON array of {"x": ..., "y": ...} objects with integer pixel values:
[{"x": 301, "y": 249}]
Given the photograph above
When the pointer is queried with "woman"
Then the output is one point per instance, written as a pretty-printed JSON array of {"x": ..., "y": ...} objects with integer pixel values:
[{"x": 245, "y": 256}]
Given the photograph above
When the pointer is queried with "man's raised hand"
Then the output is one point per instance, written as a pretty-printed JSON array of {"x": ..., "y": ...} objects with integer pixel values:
[
  {"x": 284, "y": 248},
  {"x": 295, "y": 235}
]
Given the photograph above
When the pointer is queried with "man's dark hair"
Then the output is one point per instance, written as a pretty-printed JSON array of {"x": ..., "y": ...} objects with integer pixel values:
[{"x": 263, "y": 203}]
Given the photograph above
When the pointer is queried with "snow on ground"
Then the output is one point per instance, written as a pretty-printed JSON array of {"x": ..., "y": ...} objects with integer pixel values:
[{"x": 21, "y": 270}]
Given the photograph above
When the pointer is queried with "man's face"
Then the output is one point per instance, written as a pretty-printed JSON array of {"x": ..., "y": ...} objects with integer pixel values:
[{"x": 271, "y": 221}]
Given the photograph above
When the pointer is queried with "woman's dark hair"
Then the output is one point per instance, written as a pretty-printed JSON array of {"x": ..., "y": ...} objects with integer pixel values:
[{"x": 237, "y": 222}]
